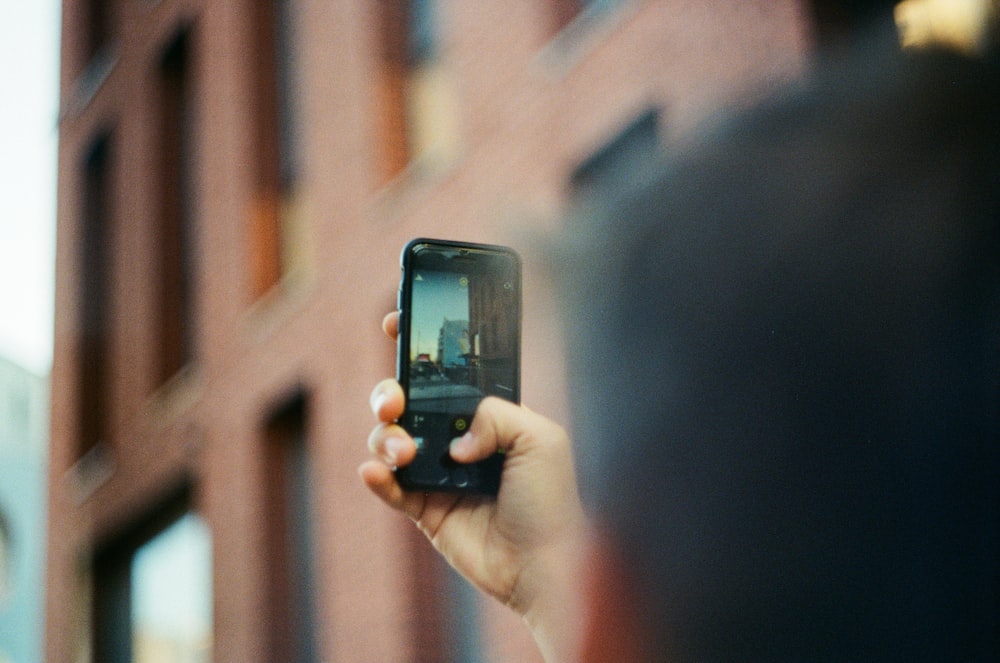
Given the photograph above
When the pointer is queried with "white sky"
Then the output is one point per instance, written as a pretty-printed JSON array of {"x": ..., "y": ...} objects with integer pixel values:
[{"x": 29, "y": 49}]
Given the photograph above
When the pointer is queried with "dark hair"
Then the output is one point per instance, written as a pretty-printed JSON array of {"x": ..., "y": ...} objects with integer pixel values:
[
  {"x": 786, "y": 369},
  {"x": 836, "y": 22}
]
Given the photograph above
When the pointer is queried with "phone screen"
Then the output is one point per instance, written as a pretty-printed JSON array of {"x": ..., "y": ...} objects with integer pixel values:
[{"x": 459, "y": 342}]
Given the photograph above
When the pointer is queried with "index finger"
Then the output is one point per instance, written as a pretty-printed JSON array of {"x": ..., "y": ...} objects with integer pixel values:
[
  {"x": 387, "y": 400},
  {"x": 390, "y": 324}
]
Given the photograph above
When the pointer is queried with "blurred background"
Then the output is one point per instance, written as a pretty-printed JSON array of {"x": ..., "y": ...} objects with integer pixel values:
[
  {"x": 190, "y": 294},
  {"x": 29, "y": 44}
]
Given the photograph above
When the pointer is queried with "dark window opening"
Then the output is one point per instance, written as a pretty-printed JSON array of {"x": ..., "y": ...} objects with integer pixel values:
[
  {"x": 633, "y": 150},
  {"x": 94, "y": 349},
  {"x": 290, "y": 516},
  {"x": 97, "y": 28},
  {"x": 175, "y": 306},
  {"x": 276, "y": 142}
]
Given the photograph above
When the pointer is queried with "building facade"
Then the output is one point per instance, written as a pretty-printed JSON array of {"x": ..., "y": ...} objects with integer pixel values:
[{"x": 236, "y": 180}]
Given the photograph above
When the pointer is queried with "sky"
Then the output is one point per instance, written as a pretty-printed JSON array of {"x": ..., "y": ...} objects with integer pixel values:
[
  {"x": 29, "y": 45},
  {"x": 437, "y": 297}
]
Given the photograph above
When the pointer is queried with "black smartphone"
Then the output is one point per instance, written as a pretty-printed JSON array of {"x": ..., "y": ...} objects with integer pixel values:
[{"x": 459, "y": 342}]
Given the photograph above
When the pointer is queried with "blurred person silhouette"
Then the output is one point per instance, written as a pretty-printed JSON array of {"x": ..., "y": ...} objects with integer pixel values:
[{"x": 784, "y": 351}]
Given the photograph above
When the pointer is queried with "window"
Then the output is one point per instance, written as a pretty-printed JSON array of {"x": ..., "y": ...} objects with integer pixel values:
[
  {"x": 274, "y": 216},
  {"x": 94, "y": 297},
  {"x": 417, "y": 109},
  {"x": 633, "y": 149},
  {"x": 97, "y": 32},
  {"x": 91, "y": 32},
  {"x": 175, "y": 307},
  {"x": 152, "y": 591},
  {"x": 564, "y": 12},
  {"x": 290, "y": 556},
  {"x": 171, "y": 594}
]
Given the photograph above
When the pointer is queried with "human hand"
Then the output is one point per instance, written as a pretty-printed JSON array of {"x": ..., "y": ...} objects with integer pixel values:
[{"x": 522, "y": 546}]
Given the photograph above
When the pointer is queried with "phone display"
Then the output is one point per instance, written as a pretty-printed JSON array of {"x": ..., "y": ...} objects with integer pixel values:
[{"x": 459, "y": 342}]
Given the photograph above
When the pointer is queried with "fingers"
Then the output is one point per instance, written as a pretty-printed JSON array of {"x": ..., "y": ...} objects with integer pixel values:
[
  {"x": 390, "y": 324},
  {"x": 379, "y": 479},
  {"x": 392, "y": 448},
  {"x": 387, "y": 400},
  {"x": 387, "y": 441},
  {"x": 390, "y": 444}
]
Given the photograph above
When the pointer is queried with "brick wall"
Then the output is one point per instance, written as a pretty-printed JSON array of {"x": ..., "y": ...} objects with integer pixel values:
[{"x": 532, "y": 103}]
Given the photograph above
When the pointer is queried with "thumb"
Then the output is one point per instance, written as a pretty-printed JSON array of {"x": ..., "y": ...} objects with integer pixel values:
[{"x": 500, "y": 425}]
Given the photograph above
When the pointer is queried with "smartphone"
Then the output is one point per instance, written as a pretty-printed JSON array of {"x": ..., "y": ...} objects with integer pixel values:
[{"x": 459, "y": 341}]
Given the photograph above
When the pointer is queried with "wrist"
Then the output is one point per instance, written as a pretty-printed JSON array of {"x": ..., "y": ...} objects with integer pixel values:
[{"x": 553, "y": 610}]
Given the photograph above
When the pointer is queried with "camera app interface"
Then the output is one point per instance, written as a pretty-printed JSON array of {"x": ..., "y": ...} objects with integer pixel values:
[
  {"x": 462, "y": 346},
  {"x": 462, "y": 341}
]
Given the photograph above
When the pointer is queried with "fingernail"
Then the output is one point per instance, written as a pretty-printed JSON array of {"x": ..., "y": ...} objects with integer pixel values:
[
  {"x": 377, "y": 400},
  {"x": 460, "y": 446},
  {"x": 393, "y": 447}
]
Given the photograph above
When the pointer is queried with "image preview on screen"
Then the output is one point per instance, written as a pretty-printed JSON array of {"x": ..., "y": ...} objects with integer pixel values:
[{"x": 443, "y": 352}]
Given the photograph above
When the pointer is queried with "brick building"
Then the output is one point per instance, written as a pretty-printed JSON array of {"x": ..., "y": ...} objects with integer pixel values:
[{"x": 236, "y": 180}]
